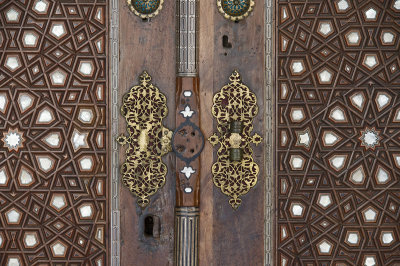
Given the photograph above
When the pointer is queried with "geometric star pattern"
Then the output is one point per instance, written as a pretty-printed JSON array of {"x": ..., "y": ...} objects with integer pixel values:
[
  {"x": 53, "y": 162},
  {"x": 338, "y": 132}
]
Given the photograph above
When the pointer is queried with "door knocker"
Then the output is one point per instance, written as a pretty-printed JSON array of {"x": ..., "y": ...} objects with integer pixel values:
[{"x": 235, "y": 171}]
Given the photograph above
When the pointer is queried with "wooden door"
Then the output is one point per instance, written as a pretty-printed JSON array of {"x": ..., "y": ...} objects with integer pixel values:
[
  {"x": 65, "y": 66},
  {"x": 227, "y": 236}
]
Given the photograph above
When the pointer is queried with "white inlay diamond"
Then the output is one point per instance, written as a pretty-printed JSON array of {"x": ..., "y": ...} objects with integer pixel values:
[
  {"x": 358, "y": 100},
  {"x": 353, "y": 37},
  {"x": 324, "y": 247},
  {"x": 325, "y": 28},
  {"x": 45, "y": 116},
  {"x": 58, "y": 201},
  {"x": 338, "y": 161},
  {"x": 53, "y": 139},
  {"x": 45, "y": 163},
  {"x": 371, "y": 61},
  {"x": 25, "y": 101},
  {"x": 382, "y": 176},
  {"x": 13, "y": 216},
  {"x": 3, "y": 102},
  {"x": 387, "y": 238},
  {"x": 3, "y": 177},
  {"x": 396, "y": 4},
  {"x": 58, "y": 30},
  {"x": 387, "y": 38},
  {"x": 12, "y": 63},
  {"x": 59, "y": 249},
  {"x": 58, "y": 77},
  {"x": 86, "y": 68},
  {"x": 370, "y": 215},
  {"x": 358, "y": 176},
  {"x": 369, "y": 261},
  {"x": 297, "y": 67},
  {"x": 353, "y": 238},
  {"x": 25, "y": 178},
  {"x": 297, "y": 114},
  {"x": 86, "y": 163},
  {"x": 41, "y": 6},
  {"x": 337, "y": 114},
  {"x": 296, "y": 162},
  {"x": 188, "y": 171},
  {"x": 297, "y": 209},
  {"x": 86, "y": 115},
  {"x": 13, "y": 262},
  {"x": 382, "y": 100},
  {"x": 343, "y": 5},
  {"x": 304, "y": 139},
  {"x": 325, "y": 200},
  {"x": 30, "y": 239},
  {"x": 30, "y": 39},
  {"x": 12, "y": 15},
  {"x": 86, "y": 211},
  {"x": 79, "y": 140},
  {"x": 325, "y": 76},
  {"x": 370, "y": 14}
]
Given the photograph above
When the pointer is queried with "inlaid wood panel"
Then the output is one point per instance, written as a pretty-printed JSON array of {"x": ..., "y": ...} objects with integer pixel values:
[
  {"x": 53, "y": 131},
  {"x": 337, "y": 132}
]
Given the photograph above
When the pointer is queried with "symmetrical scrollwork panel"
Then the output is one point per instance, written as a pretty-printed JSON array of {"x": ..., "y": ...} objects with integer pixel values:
[
  {"x": 144, "y": 108},
  {"x": 337, "y": 93},
  {"x": 53, "y": 132},
  {"x": 235, "y": 171}
]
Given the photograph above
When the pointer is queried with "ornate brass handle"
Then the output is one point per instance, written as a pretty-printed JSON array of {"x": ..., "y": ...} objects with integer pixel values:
[
  {"x": 234, "y": 107},
  {"x": 144, "y": 108}
]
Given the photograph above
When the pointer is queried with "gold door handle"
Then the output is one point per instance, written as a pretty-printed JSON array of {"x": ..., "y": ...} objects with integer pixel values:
[
  {"x": 234, "y": 108},
  {"x": 144, "y": 108}
]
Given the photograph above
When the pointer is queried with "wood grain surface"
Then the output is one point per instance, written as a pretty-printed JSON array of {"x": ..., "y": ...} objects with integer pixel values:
[
  {"x": 227, "y": 237},
  {"x": 150, "y": 46}
]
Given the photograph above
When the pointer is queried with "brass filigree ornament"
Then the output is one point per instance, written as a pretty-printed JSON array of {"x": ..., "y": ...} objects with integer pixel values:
[
  {"x": 235, "y": 10},
  {"x": 145, "y": 8},
  {"x": 144, "y": 108},
  {"x": 235, "y": 172}
]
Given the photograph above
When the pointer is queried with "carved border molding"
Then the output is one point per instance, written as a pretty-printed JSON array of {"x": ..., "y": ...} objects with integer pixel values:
[
  {"x": 115, "y": 182},
  {"x": 269, "y": 160}
]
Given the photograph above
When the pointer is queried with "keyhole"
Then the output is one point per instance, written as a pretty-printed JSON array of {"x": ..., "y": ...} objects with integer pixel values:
[
  {"x": 225, "y": 42},
  {"x": 148, "y": 226}
]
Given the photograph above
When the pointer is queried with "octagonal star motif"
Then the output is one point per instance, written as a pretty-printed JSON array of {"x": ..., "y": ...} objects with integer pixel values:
[
  {"x": 370, "y": 138},
  {"x": 13, "y": 139}
]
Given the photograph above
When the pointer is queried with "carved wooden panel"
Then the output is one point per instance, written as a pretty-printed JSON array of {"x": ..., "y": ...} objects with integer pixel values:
[
  {"x": 338, "y": 133},
  {"x": 53, "y": 113}
]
